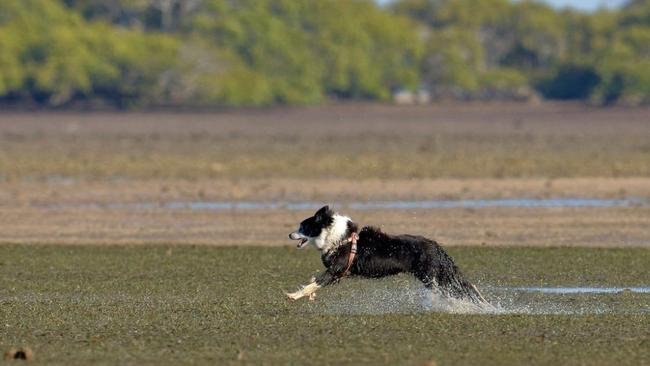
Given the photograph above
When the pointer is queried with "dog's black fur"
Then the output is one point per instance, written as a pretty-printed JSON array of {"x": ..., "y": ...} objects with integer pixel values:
[{"x": 378, "y": 255}]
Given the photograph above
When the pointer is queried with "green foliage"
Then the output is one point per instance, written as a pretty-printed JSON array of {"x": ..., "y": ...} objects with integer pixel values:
[
  {"x": 504, "y": 83},
  {"x": 570, "y": 82},
  {"x": 305, "y": 50},
  {"x": 453, "y": 61},
  {"x": 538, "y": 37},
  {"x": 566, "y": 55},
  {"x": 53, "y": 56},
  {"x": 260, "y": 52}
]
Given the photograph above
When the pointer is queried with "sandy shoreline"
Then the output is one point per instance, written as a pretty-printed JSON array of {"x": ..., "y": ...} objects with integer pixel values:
[
  {"x": 45, "y": 213},
  {"x": 622, "y": 227}
]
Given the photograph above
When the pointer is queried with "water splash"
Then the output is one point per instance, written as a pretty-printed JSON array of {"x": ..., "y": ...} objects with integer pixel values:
[
  {"x": 571, "y": 300},
  {"x": 437, "y": 303},
  {"x": 410, "y": 297}
]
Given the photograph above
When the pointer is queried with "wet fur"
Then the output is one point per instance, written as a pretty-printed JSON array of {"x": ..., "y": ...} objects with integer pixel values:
[{"x": 379, "y": 255}]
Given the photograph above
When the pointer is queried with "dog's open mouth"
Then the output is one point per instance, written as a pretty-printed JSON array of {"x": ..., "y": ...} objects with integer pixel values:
[{"x": 298, "y": 236}]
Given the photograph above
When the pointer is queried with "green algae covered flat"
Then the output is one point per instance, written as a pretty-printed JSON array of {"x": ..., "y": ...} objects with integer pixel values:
[{"x": 209, "y": 305}]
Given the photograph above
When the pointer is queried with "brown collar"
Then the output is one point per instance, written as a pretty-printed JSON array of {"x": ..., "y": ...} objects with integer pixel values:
[{"x": 353, "y": 251}]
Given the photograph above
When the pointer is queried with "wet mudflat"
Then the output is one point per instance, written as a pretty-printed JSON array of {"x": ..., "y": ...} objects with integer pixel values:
[
  {"x": 200, "y": 304},
  {"x": 179, "y": 220},
  {"x": 356, "y": 141}
]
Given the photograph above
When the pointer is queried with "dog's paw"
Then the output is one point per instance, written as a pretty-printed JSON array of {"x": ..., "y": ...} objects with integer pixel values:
[
  {"x": 294, "y": 295},
  {"x": 312, "y": 296}
]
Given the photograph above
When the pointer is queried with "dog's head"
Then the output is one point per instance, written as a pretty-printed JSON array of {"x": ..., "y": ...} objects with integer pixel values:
[{"x": 325, "y": 230}]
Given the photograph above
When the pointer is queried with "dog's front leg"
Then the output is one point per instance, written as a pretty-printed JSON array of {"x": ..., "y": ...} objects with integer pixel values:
[
  {"x": 308, "y": 290},
  {"x": 321, "y": 280}
]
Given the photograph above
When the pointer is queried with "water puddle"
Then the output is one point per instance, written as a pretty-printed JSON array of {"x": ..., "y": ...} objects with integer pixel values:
[
  {"x": 571, "y": 300},
  {"x": 582, "y": 290},
  {"x": 508, "y": 202},
  {"x": 374, "y": 205},
  {"x": 409, "y": 297}
]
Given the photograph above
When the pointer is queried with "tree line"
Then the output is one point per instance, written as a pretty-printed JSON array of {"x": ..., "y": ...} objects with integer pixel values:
[{"x": 131, "y": 53}]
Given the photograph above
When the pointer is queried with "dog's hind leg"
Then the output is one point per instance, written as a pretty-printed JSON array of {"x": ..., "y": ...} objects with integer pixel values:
[
  {"x": 443, "y": 276},
  {"x": 459, "y": 287},
  {"x": 428, "y": 277},
  {"x": 451, "y": 285},
  {"x": 317, "y": 282}
]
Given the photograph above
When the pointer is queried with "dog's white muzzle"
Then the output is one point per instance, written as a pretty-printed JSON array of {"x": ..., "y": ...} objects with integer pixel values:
[{"x": 298, "y": 236}]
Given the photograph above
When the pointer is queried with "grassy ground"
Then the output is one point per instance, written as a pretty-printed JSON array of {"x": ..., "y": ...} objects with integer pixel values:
[{"x": 147, "y": 304}]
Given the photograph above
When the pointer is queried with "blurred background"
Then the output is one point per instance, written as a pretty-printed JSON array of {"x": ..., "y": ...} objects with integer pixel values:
[
  {"x": 226, "y": 122},
  {"x": 137, "y": 53}
]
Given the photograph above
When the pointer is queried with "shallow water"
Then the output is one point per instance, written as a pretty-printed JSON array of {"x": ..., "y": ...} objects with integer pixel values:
[
  {"x": 374, "y": 205},
  {"x": 581, "y": 290},
  {"x": 409, "y": 297},
  {"x": 570, "y": 300}
]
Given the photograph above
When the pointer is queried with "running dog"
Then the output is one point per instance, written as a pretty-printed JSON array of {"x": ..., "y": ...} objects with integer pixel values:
[{"x": 369, "y": 252}]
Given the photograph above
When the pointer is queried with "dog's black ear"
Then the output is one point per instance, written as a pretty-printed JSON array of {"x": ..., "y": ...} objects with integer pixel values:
[{"x": 323, "y": 213}]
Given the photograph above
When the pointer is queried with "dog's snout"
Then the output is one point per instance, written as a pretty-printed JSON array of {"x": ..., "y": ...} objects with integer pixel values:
[{"x": 294, "y": 235}]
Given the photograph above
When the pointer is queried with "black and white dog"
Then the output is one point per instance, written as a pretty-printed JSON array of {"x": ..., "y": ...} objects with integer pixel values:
[{"x": 372, "y": 253}]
